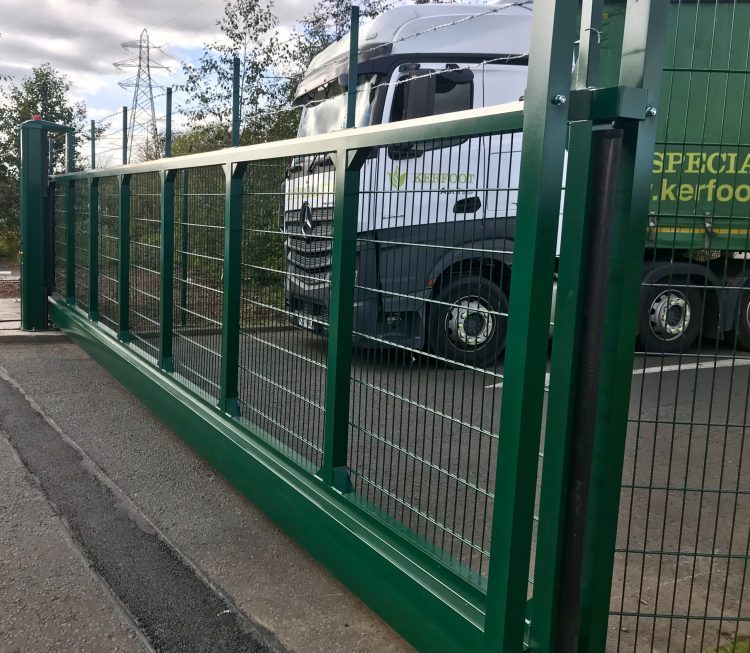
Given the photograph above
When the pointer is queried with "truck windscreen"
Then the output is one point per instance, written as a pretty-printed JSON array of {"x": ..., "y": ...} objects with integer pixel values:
[{"x": 326, "y": 107}]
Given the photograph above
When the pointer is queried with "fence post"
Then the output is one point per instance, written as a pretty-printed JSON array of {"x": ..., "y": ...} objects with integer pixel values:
[
  {"x": 123, "y": 258},
  {"x": 93, "y": 247},
  {"x": 70, "y": 220},
  {"x": 340, "y": 317},
  {"x": 93, "y": 145},
  {"x": 235, "y": 101},
  {"x": 124, "y": 136},
  {"x": 544, "y": 138},
  {"x": 641, "y": 67},
  {"x": 351, "y": 100},
  {"x": 230, "y": 330},
  {"x": 168, "y": 127},
  {"x": 35, "y": 234},
  {"x": 166, "y": 267}
]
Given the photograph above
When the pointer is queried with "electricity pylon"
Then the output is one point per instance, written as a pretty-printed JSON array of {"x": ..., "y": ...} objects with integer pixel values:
[{"x": 142, "y": 117}]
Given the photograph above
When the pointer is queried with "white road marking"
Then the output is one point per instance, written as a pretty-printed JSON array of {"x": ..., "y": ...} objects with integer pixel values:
[{"x": 659, "y": 369}]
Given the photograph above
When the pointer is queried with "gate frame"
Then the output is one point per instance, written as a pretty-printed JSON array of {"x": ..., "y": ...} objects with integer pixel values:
[{"x": 428, "y": 598}]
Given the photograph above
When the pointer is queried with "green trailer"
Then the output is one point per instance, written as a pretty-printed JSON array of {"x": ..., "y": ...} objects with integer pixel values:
[{"x": 696, "y": 273}]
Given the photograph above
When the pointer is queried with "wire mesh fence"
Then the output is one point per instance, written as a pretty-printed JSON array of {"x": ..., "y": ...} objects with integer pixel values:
[
  {"x": 199, "y": 256},
  {"x": 61, "y": 240},
  {"x": 109, "y": 257},
  {"x": 681, "y": 572},
  {"x": 144, "y": 273},
  {"x": 82, "y": 243},
  {"x": 282, "y": 367}
]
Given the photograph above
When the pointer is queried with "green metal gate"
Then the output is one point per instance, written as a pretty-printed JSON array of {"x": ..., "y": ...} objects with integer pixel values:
[{"x": 412, "y": 473}]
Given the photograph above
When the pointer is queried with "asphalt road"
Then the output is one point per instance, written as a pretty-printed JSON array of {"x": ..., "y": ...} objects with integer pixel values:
[{"x": 423, "y": 443}]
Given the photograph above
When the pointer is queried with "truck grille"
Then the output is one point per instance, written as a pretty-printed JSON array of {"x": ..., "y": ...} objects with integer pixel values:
[{"x": 310, "y": 254}]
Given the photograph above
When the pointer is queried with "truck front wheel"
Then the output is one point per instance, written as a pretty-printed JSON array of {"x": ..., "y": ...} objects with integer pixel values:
[
  {"x": 670, "y": 318},
  {"x": 743, "y": 320},
  {"x": 468, "y": 321}
]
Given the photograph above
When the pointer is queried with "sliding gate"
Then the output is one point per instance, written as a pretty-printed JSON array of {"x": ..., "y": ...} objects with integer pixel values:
[{"x": 239, "y": 301}]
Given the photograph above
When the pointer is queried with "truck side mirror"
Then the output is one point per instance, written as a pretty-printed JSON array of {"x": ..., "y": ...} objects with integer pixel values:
[{"x": 419, "y": 96}]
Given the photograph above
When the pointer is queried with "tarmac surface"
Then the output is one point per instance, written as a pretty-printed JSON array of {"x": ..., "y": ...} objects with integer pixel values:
[
  {"x": 682, "y": 549},
  {"x": 140, "y": 535}
]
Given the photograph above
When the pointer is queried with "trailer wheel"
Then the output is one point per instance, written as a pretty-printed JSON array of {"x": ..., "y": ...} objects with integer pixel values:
[
  {"x": 670, "y": 318},
  {"x": 468, "y": 321},
  {"x": 743, "y": 320}
]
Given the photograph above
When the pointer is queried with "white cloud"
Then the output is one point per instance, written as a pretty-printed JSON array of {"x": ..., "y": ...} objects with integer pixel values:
[{"x": 82, "y": 38}]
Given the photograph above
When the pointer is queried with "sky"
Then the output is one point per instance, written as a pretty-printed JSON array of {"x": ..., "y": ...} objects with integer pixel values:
[{"x": 82, "y": 38}]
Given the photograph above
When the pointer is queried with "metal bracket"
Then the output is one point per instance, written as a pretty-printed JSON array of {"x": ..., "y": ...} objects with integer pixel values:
[{"x": 609, "y": 103}]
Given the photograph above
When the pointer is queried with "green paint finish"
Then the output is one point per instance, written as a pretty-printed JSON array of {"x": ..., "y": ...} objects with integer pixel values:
[
  {"x": 343, "y": 265},
  {"x": 230, "y": 324},
  {"x": 641, "y": 67},
  {"x": 569, "y": 315},
  {"x": 36, "y": 238},
  {"x": 123, "y": 259},
  {"x": 545, "y": 132},
  {"x": 166, "y": 270},
  {"x": 397, "y": 580},
  {"x": 93, "y": 298}
]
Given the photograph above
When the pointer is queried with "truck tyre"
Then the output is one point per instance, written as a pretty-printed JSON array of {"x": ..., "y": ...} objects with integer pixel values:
[
  {"x": 742, "y": 329},
  {"x": 670, "y": 318},
  {"x": 468, "y": 321}
]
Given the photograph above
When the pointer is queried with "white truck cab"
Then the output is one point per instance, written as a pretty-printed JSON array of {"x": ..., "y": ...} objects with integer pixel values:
[{"x": 437, "y": 219}]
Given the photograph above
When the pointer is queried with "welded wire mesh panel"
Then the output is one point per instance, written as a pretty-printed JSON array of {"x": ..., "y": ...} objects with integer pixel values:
[
  {"x": 145, "y": 221},
  {"x": 430, "y": 318},
  {"x": 681, "y": 579},
  {"x": 199, "y": 260},
  {"x": 286, "y": 271},
  {"x": 61, "y": 236},
  {"x": 108, "y": 253},
  {"x": 82, "y": 243}
]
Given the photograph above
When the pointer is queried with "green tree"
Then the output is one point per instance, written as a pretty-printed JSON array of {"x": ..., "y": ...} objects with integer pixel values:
[
  {"x": 45, "y": 92},
  {"x": 249, "y": 32},
  {"x": 328, "y": 22}
]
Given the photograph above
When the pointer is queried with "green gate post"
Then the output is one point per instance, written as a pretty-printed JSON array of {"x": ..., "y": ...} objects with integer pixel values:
[
  {"x": 166, "y": 269},
  {"x": 36, "y": 235},
  {"x": 570, "y": 313},
  {"x": 641, "y": 67},
  {"x": 70, "y": 219},
  {"x": 340, "y": 318},
  {"x": 93, "y": 246},
  {"x": 544, "y": 138},
  {"x": 230, "y": 329},
  {"x": 123, "y": 256}
]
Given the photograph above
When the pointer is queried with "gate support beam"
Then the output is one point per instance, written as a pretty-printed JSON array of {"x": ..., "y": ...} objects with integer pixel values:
[
  {"x": 341, "y": 317},
  {"x": 544, "y": 137}
]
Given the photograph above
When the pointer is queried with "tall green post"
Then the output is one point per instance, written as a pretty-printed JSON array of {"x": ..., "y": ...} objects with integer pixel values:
[
  {"x": 230, "y": 331},
  {"x": 340, "y": 318},
  {"x": 351, "y": 100},
  {"x": 544, "y": 138},
  {"x": 641, "y": 67},
  {"x": 36, "y": 232},
  {"x": 235, "y": 101}
]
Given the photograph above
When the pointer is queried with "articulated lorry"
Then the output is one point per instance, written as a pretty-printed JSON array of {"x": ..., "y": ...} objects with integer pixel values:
[{"x": 428, "y": 210}]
